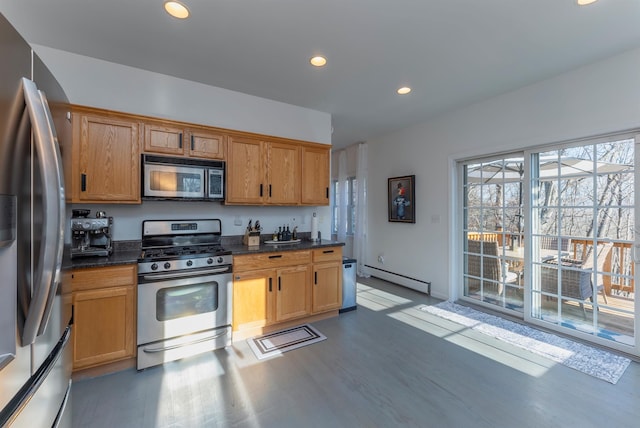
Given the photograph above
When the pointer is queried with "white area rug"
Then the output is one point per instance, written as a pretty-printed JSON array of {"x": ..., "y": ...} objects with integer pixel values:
[
  {"x": 587, "y": 359},
  {"x": 276, "y": 343}
]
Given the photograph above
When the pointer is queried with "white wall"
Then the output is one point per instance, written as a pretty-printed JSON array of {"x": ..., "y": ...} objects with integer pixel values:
[
  {"x": 96, "y": 83},
  {"x": 593, "y": 100},
  {"x": 92, "y": 82}
]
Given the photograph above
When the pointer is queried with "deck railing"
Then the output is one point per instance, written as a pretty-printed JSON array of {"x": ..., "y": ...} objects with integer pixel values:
[{"x": 618, "y": 268}]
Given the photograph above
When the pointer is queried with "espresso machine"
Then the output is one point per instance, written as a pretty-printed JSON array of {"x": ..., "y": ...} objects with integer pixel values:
[{"x": 90, "y": 236}]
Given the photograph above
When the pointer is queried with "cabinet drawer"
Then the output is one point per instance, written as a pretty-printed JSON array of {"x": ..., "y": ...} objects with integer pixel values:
[
  {"x": 102, "y": 277},
  {"x": 271, "y": 260},
  {"x": 328, "y": 254}
]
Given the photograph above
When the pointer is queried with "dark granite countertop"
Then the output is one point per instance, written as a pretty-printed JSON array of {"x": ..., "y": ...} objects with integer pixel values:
[
  {"x": 239, "y": 249},
  {"x": 124, "y": 253},
  {"x": 128, "y": 252}
]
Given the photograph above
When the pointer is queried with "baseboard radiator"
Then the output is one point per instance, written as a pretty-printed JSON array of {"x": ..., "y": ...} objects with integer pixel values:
[{"x": 405, "y": 281}]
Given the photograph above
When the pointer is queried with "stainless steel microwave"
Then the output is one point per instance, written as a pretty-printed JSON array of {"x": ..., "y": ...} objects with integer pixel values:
[{"x": 166, "y": 177}]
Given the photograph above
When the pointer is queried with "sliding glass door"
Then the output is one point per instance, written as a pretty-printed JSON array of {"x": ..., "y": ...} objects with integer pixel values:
[
  {"x": 583, "y": 229},
  {"x": 549, "y": 235}
]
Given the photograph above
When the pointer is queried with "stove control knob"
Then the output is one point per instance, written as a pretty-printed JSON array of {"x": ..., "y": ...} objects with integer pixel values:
[
  {"x": 220, "y": 260},
  {"x": 154, "y": 266},
  {"x": 209, "y": 261},
  {"x": 167, "y": 265},
  {"x": 189, "y": 263}
]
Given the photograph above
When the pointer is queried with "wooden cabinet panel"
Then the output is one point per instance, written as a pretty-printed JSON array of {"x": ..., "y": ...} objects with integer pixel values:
[
  {"x": 263, "y": 172},
  {"x": 104, "y": 328},
  {"x": 163, "y": 139},
  {"x": 271, "y": 260},
  {"x": 293, "y": 298},
  {"x": 253, "y": 299},
  {"x": 327, "y": 287},
  {"x": 245, "y": 171},
  {"x": 283, "y": 174},
  {"x": 206, "y": 144},
  {"x": 106, "y": 160},
  {"x": 329, "y": 254},
  {"x": 315, "y": 175},
  {"x": 104, "y": 315},
  {"x": 92, "y": 278}
]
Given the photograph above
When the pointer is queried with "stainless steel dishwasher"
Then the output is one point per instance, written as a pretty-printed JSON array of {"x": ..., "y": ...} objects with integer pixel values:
[{"x": 348, "y": 284}]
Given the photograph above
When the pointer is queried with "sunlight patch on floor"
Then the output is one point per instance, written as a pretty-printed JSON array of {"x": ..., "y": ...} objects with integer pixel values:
[
  {"x": 503, "y": 353},
  {"x": 378, "y": 300}
]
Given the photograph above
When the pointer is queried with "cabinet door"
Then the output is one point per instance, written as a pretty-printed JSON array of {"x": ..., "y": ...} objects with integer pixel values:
[
  {"x": 327, "y": 287},
  {"x": 245, "y": 171},
  {"x": 253, "y": 299},
  {"x": 163, "y": 139},
  {"x": 283, "y": 175},
  {"x": 108, "y": 160},
  {"x": 315, "y": 175},
  {"x": 293, "y": 299},
  {"x": 204, "y": 144},
  {"x": 104, "y": 326}
]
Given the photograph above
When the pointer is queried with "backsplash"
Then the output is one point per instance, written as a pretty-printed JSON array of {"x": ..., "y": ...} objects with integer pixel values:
[{"x": 127, "y": 219}]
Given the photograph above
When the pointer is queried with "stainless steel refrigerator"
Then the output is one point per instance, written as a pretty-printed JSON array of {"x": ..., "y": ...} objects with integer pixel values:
[{"x": 35, "y": 318}]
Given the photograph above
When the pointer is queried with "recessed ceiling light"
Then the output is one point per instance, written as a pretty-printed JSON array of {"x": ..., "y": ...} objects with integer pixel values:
[
  {"x": 176, "y": 9},
  {"x": 585, "y": 2},
  {"x": 318, "y": 61},
  {"x": 404, "y": 90}
]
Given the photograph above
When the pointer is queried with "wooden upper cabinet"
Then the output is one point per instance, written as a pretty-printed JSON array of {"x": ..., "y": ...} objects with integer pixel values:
[
  {"x": 162, "y": 138},
  {"x": 206, "y": 144},
  {"x": 315, "y": 175},
  {"x": 245, "y": 171},
  {"x": 105, "y": 163},
  {"x": 263, "y": 172},
  {"x": 283, "y": 174}
]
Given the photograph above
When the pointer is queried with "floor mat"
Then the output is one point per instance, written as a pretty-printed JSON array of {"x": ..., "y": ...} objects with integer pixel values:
[
  {"x": 587, "y": 359},
  {"x": 276, "y": 343}
]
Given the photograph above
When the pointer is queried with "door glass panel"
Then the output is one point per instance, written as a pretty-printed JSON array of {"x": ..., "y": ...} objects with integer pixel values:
[
  {"x": 583, "y": 216},
  {"x": 493, "y": 232}
]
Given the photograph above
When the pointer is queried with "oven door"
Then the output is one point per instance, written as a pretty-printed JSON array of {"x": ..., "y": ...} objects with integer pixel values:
[
  {"x": 173, "y": 181},
  {"x": 177, "y": 307}
]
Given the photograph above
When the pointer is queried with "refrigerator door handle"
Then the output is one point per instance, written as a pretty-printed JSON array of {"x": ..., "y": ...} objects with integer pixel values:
[
  {"x": 29, "y": 389},
  {"x": 50, "y": 258}
]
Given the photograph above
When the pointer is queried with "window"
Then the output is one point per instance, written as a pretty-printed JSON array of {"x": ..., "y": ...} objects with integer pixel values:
[{"x": 351, "y": 197}]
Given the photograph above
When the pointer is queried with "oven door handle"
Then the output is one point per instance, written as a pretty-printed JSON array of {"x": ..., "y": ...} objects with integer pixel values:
[
  {"x": 180, "y": 345},
  {"x": 183, "y": 274}
]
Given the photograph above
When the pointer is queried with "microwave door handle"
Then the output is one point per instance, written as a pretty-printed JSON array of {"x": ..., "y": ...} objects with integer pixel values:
[{"x": 49, "y": 261}]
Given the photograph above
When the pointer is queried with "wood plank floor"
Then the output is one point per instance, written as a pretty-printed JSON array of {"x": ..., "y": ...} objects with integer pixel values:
[{"x": 387, "y": 364}]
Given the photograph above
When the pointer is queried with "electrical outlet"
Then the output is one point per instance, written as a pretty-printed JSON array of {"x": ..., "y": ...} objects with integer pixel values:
[
  {"x": 237, "y": 221},
  {"x": 381, "y": 259}
]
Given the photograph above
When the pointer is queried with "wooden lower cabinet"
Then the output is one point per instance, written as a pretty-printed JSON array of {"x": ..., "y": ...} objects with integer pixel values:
[
  {"x": 293, "y": 296},
  {"x": 327, "y": 279},
  {"x": 104, "y": 315},
  {"x": 271, "y": 290},
  {"x": 327, "y": 287},
  {"x": 252, "y": 299}
]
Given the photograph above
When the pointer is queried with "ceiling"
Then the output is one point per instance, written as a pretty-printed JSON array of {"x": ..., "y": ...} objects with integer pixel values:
[{"x": 450, "y": 52}]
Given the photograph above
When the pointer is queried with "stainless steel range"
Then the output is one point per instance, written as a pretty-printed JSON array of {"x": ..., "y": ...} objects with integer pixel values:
[{"x": 184, "y": 290}]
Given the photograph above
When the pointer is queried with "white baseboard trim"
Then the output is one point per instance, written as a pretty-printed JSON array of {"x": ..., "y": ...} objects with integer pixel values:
[{"x": 405, "y": 281}]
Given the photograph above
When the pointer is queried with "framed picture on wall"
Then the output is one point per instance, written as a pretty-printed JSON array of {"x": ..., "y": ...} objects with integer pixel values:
[{"x": 402, "y": 199}]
